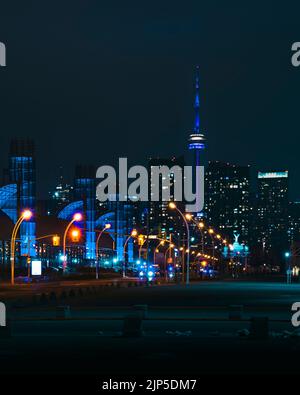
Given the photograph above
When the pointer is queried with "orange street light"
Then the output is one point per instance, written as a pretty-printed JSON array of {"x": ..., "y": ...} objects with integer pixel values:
[
  {"x": 107, "y": 226},
  {"x": 174, "y": 207},
  {"x": 77, "y": 217},
  {"x": 25, "y": 216},
  {"x": 133, "y": 233},
  {"x": 75, "y": 235}
]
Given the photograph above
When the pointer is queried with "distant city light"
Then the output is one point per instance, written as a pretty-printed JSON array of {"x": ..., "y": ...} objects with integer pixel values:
[{"x": 275, "y": 174}]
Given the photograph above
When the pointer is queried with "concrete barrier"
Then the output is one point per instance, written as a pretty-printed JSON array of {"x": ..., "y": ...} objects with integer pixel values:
[
  {"x": 132, "y": 325},
  {"x": 235, "y": 312},
  {"x": 5, "y": 331},
  {"x": 259, "y": 328},
  {"x": 142, "y": 310},
  {"x": 63, "y": 312},
  {"x": 34, "y": 299},
  {"x": 44, "y": 299},
  {"x": 53, "y": 297},
  {"x": 63, "y": 295}
]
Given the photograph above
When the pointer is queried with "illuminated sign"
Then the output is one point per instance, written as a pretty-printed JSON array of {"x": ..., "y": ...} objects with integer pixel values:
[
  {"x": 274, "y": 174},
  {"x": 36, "y": 268}
]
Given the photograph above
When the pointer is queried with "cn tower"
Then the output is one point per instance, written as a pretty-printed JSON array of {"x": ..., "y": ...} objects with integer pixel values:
[{"x": 197, "y": 139}]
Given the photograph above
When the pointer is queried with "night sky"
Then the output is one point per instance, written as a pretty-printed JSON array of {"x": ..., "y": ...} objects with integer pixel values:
[{"x": 91, "y": 81}]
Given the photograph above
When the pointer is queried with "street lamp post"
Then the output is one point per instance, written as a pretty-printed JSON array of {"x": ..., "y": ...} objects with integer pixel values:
[
  {"x": 200, "y": 227},
  {"x": 76, "y": 218},
  {"x": 288, "y": 270},
  {"x": 211, "y": 232},
  {"x": 26, "y": 215},
  {"x": 167, "y": 250},
  {"x": 107, "y": 226},
  {"x": 182, "y": 262},
  {"x": 173, "y": 206},
  {"x": 132, "y": 234},
  {"x": 156, "y": 249}
]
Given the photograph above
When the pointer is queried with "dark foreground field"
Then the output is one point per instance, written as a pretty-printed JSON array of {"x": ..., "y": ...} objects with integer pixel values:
[{"x": 186, "y": 331}]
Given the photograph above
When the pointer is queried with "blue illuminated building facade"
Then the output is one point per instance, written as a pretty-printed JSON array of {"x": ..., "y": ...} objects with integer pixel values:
[
  {"x": 84, "y": 189},
  {"x": 22, "y": 174},
  {"x": 120, "y": 216}
]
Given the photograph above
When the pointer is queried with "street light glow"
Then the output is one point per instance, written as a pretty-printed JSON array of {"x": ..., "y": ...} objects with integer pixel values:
[
  {"x": 107, "y": 226},
  {"x": 75, "y": 233},
  {"x": 134, "y": 233},
  {"x": 77, "y": 217},
  {"x": 27, "y": 214},
  {"x": 172, "y": 205}
]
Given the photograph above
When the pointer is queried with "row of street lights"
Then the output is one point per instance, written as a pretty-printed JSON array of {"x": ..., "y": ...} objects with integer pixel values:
[{"x": 77, "y": 217}]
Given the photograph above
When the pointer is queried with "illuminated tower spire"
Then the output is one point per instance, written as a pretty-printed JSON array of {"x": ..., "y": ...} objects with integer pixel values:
[
  {"x": 197, "y": 139},
  {"x": 197, "y": 104}
]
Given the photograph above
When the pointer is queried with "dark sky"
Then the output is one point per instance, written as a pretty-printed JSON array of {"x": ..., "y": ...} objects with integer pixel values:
[{"x": 91, "y": 81}]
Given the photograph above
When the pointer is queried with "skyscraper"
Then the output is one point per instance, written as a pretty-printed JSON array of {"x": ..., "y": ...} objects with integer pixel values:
[
  {"x": 197, "y": 139},
  {"x": 272, "y": 212},
  {"x": 22, "y": 173},
  {"x": 85, "y": 190},
  {"x": 294, "y": 222},
  {"x": 61, "y": 196},
  {"x": 161, "y": 219},
  {"x": 227, "y": 198}
]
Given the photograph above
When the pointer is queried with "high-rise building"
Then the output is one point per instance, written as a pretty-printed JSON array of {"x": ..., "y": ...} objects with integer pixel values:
[
  {"x": 22, "y": 173},
  {"x": 60, "y": 196},
  {"x": 294, "y": 222},
  {"x": 227, "y": 198},
  {"x": 162, "y": 220},
  {"x": 85, "y": 190},
  {"x": 272, "y": 212}
]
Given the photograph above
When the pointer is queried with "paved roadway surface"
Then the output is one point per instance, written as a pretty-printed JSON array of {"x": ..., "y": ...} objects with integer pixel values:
[{"x": 186, "y": 330}]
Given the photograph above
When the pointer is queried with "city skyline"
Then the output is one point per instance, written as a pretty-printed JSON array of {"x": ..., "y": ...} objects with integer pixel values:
[
  {"x": 149, "y": 194},
  {"x": 128, "y": 79}
]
